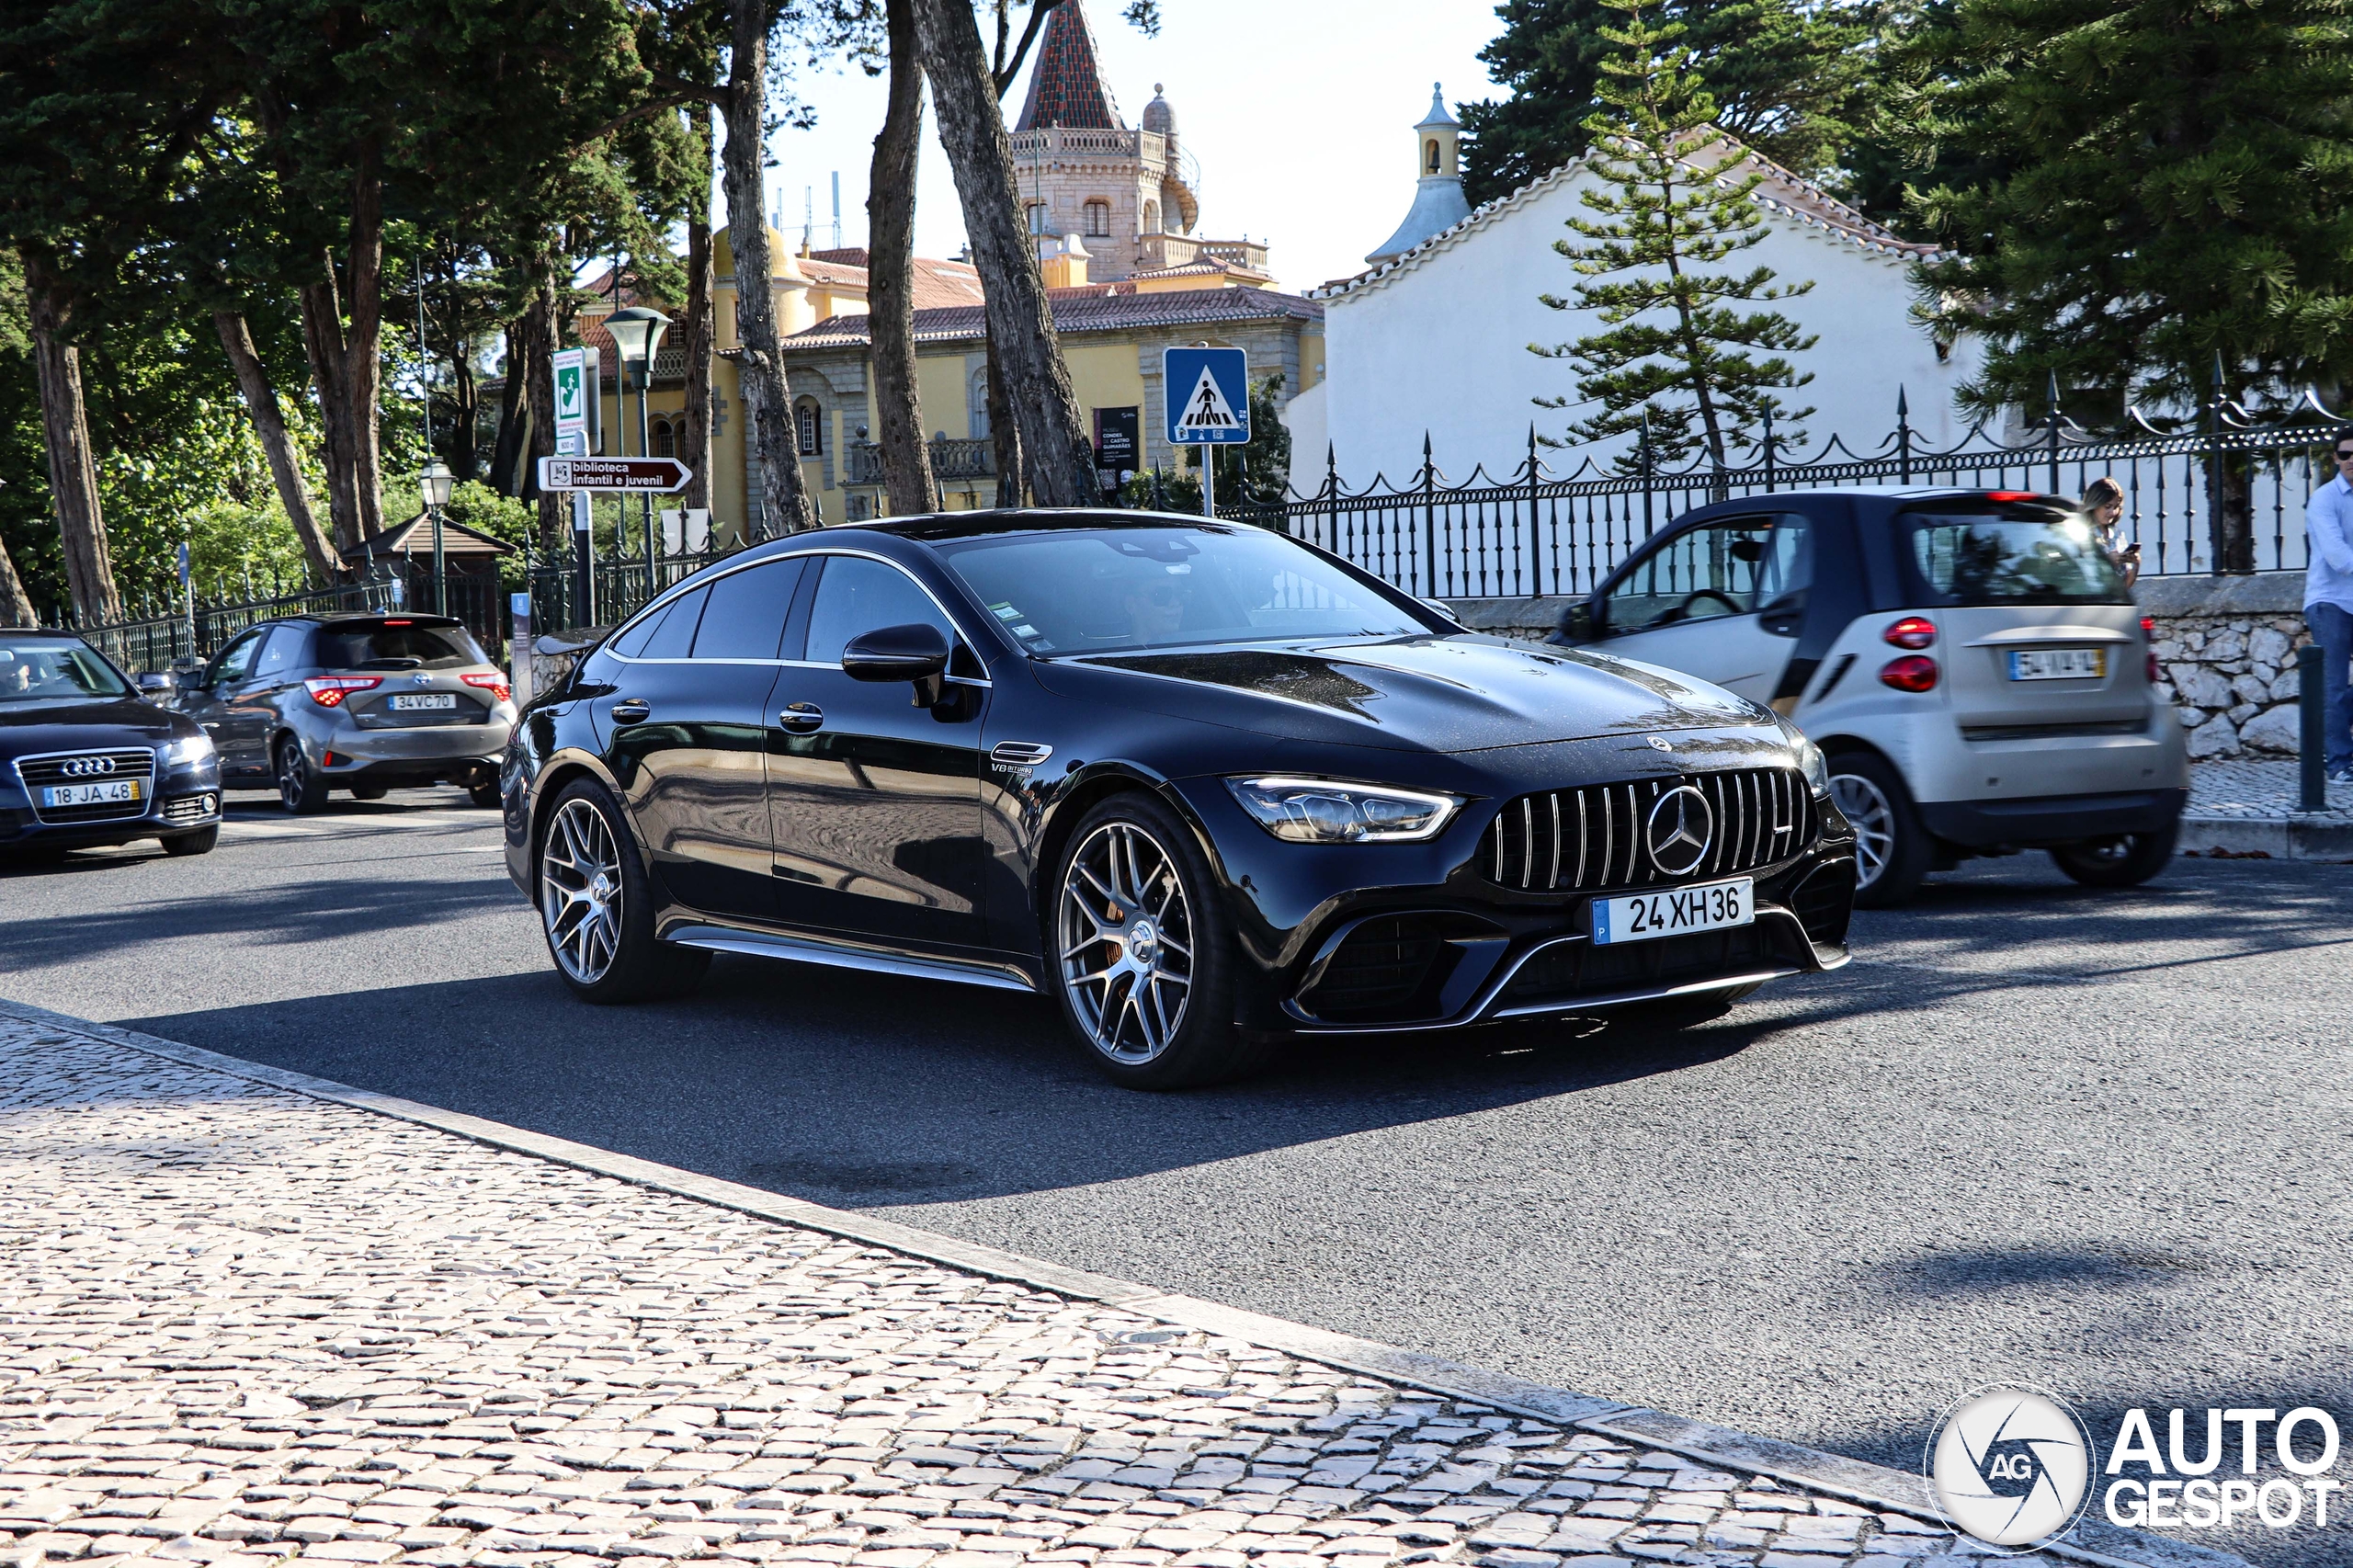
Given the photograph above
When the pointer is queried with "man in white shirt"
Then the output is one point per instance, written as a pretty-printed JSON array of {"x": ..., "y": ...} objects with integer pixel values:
[{"x": 2328, "y": 604}]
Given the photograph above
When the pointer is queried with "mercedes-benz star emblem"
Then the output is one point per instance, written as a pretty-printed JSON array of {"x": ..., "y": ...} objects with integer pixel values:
[
  {"x": 84, "y": 767},
  {"x": 1681, "y": 824}
]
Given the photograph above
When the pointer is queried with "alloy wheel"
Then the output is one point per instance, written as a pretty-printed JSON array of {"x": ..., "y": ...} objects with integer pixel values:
[
  {"x": 1125, "y": 935},
  {"x": 580, "y": 892},
  {"x": 1866, "y": 806},
  {"x": 289, "y": 776}
]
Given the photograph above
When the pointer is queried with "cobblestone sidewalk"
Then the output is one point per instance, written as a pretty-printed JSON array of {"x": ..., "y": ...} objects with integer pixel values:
[
  {"x": 239, "y": 1324},
  {"x": 2260, "y": 790}
]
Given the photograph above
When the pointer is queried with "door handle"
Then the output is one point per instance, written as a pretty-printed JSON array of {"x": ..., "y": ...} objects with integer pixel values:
[
  {"x": 630, "y": 710},
  {"x": 802, "y": 717}
]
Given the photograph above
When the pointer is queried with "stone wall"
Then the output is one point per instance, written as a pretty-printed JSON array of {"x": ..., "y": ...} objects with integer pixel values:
[{"x": 2226, "y": 647}]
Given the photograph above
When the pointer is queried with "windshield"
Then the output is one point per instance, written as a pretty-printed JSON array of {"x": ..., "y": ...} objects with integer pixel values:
[
  {"x": 56, "y": 672},
  {"x": 397, "y": 645},
  {"x": 1110, "y": 590},
  {"x": 2013, "y": 555}
]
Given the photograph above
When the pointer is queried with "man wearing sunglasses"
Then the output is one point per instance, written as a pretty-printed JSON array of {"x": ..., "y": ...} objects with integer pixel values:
[{"x": 2328, "y": 604}]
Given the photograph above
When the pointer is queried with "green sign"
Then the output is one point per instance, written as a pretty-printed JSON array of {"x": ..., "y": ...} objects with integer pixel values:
[{"x": 571, "y": 390}]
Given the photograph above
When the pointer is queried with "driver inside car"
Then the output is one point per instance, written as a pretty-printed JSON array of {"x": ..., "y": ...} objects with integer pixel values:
[{"x": 1155, "y": 605}]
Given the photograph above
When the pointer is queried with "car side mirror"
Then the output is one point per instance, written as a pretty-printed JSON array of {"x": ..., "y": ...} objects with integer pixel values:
[
  {"x": 915, "y": 652},
  {"x": 153, "y": 682},
  {"x": 1581, "y": 624}
]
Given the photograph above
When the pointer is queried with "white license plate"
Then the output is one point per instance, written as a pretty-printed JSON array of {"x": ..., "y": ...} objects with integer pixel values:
[
  {"x": 90, "y": 794},
  {"x": 1645, "y": 916},
  {"x": 2058, "y": 664},
  {"x": 427, "y": 701}
]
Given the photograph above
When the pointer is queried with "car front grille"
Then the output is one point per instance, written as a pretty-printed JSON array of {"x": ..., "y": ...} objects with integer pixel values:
[
  {"x": 41, "y": 771},
  {"x": 1596, "y": 836}
]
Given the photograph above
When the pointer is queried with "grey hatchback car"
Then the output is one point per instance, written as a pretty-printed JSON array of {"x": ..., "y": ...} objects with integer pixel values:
[{"x": 365, "y": 703}]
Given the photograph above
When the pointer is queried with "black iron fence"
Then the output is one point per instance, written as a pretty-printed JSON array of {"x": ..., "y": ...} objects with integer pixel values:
[
  {"x": 203, "y": 628},
  {"x": 2231, "y": 490}
]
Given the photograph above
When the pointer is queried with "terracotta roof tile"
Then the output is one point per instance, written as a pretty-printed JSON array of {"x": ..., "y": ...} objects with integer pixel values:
[{"x": 1066, "y": 84}]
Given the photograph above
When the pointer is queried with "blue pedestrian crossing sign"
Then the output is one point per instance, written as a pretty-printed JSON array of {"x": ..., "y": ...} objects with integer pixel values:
[{"x": 1208, "y": 395}]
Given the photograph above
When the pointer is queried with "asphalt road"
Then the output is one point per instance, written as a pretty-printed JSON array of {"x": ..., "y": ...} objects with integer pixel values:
[{"x": 2094, "y": 1141}]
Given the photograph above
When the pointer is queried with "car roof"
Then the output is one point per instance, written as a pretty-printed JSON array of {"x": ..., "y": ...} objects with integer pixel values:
[
  {"x": 1891, "y": 492},
  {"x": 936, "y": 527}
]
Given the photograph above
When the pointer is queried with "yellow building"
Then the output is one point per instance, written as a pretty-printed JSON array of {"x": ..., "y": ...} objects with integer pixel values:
[{"x": 1125, "y": 278}]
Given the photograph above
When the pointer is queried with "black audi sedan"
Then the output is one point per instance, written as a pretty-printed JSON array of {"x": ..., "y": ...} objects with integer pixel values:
[
  {"x": 85, "y": 761},
  {"x": 1205, "y": 785}
]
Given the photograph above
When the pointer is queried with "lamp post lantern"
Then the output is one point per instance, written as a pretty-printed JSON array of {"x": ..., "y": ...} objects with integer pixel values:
[
  {"x": 637, "y": 333},
  {"x": 437, "y": 481}
]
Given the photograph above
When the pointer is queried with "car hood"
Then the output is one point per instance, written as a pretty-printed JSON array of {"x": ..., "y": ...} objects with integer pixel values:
[
  {"x": 31, "y": 729},
  {"x": 1439, "y": 694}
]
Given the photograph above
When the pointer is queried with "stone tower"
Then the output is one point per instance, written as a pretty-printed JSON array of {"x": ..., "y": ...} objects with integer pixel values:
[
  {"x": 1439, "y": 201},
  {"x": 1123, "y": 194}
]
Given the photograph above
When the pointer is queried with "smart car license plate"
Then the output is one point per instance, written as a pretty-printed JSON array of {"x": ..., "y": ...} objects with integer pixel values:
[
  {"x": 1645, "y": 916},
  {"x": 411, "y": 702},
  {"x": 2058, "y": 664},
  {"x": 89, "y": 794}
]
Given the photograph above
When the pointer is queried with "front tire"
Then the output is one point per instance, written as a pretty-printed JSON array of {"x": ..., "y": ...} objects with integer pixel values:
[
  {"x": 2124, "y": 862},
  {"x": 1893, "y": 851},
  {"x": 595, "y": 909},
  {"x": 200, "y": 842},
  {"x": 301, "y": 787},
  {"x": 1142, "y": 952}
]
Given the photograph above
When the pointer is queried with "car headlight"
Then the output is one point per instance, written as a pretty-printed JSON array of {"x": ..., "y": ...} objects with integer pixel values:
[
  {"x": 1810, "y": 761},
  {"x": 188, "y": 749},
  {"x": 1319, "y": 811}
]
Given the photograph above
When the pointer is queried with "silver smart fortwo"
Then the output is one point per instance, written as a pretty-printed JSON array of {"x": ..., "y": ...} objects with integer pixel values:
[{"x": 365, "y": 703}]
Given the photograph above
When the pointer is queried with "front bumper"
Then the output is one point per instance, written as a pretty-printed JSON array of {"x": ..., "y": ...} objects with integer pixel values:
[{"x": 186, "y": 799}]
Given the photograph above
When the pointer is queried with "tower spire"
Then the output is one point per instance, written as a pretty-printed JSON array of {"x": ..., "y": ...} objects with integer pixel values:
[{"x": 1066, "y": 86}]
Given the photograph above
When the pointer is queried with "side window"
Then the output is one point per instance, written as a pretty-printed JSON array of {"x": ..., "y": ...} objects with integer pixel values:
[
  {"x": 745, "y": 616},
  {"x": 677, "y": 633},
  {"x": 282, "y": 652},
  {"x": 1787, "y": 570},
  {"x": 1708, "y": 571},
  {"x": 856, "y": 596},
  {"x": 237, "y": 659},
  {"x": 629, "y": 641}
]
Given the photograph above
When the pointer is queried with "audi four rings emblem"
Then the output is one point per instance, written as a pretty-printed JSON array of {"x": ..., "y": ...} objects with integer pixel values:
[
  {"x": 84, "y": 767},
  {"x": 1681, "y": 824}
]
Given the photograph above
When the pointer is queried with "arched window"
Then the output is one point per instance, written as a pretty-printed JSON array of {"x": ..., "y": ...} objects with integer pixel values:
[
  {"x": 666, "y": 438},
  {"x": 1429, "y": 157},
  {"x": 809, "y": 425},
  {"x": 977, "y": 403},
  {"x": 1037, "y": 217},
  {"x": 1098, "y": 219},
  {"x": 1151, "y": 217}
]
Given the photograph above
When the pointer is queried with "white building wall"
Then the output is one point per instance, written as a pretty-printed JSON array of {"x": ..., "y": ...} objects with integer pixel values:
[{"x": 1442, "y": 347}]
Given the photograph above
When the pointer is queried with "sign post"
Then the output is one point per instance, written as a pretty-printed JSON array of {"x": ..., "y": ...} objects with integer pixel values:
[
  {"x": 1207, "y": 393},
  {"x": 519, "y": 647},
  {"x": 187, "y": 598}
]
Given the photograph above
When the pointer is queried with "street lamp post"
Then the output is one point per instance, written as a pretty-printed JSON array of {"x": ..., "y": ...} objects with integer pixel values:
[
  {"x": 437, "y": 480},
  {"x": 637, "y": 333}
]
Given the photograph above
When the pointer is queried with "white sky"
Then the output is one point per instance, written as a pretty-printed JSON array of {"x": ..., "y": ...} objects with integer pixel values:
[{"x": 1300, "y": 112}]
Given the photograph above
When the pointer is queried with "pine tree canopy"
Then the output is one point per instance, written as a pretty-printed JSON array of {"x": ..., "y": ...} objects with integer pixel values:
[{"x": 2180, "y": 186}]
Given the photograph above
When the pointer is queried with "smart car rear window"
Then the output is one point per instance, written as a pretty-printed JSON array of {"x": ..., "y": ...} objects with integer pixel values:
[
  {"x": 1998, "y": 553},
  {"x": 395, "y": 645}
]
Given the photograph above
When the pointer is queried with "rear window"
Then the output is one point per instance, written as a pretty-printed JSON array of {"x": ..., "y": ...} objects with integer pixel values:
[
  {"x": 389, "y": 645},
  {"x": 2012, "y": 554}
]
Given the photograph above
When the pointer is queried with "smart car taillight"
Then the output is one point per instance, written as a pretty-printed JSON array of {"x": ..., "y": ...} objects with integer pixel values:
[
  {"x": 328, "y": 691},
  {"x": 493, "y": 684},
  {"x": 1918, "y": 673},
  {"x": 1912, "y": 631},
  {"x": 2149, "y": 641}
]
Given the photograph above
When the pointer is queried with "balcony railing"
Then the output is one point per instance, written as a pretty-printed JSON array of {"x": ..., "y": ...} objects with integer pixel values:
[{"x": 950, "y": 460}]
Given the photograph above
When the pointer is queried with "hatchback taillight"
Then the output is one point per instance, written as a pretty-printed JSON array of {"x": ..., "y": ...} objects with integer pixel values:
[
  {"x": 1912, "y": 631},
  {"x": 1918, "y": 673},
  {"x": 328, "y": 691},
  {"x": 493, "y": 684},
  {"x": 2149, "y": 641}
]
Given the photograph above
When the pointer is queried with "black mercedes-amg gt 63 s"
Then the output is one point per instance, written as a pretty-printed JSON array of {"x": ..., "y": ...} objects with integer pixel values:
[{"x": 1205, "y": 785}]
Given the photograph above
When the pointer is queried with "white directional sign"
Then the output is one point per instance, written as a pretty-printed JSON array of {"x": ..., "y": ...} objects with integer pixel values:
[
  {"x": 661, "y": 475},
  {"x": 1208, "y": 395}
]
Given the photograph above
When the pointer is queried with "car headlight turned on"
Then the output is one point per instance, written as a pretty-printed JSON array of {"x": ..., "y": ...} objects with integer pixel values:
[
  {"x": 1321, "y": 810},
  {"x": 188, "y": 749},
  {"x": 1811, "y": 762}
]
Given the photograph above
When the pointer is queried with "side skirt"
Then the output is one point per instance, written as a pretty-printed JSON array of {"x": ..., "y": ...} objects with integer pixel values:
[{"x": 847, "y": 954}]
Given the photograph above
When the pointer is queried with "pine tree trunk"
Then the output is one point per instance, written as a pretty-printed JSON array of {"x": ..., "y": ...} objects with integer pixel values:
[
  {"x": 694, "y": 446},
  {"x": 16, "y": 605},
  {"x": 514, "y": 422},
  {"x": 1004, "y": 437},
  {"x": 891, "y": 260},
  {"x": 344, "y": 361},
  {"x": 767, "y": 405},
  {"x": 65, "y": 431},
  {"x": 277, "y": 445},
  {"x": 535, "y": 339},
  {"x": 1056, "y": 459}
]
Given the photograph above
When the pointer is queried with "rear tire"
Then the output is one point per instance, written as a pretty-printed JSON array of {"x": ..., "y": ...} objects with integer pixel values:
[
  {"x": 1893, "y": 851},
  {"x": 2124, "y": 862},
  {"x": 485, "y": 794},
  {"x": 300, "y": 787},
  {"x": 367, "y": 791},
  {"x": 200, "y": 842},
  {"x": 1142, "y": 953},
  {"x": 595, "y": 907}
]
